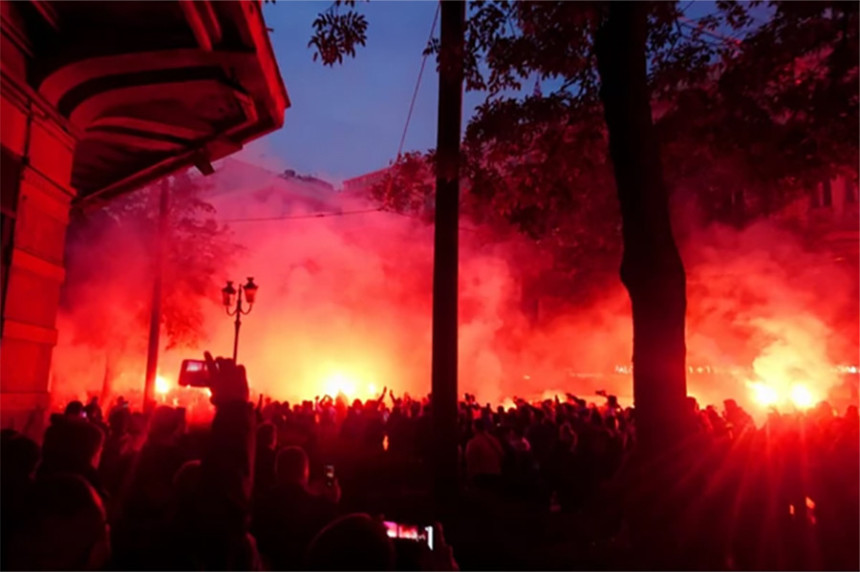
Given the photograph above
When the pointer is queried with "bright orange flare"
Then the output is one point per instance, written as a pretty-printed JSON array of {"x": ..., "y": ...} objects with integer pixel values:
[
  {"x": 801, "y": 397},
  {"x": 763, "y": 394},
  {"x": 770, "y": 395},
  {"x": 162, "y": 386},
  {"x": 339, "y": 383}
]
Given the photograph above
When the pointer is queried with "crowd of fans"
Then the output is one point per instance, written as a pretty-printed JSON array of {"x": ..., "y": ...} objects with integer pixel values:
[{"x": 274, "y": 485}]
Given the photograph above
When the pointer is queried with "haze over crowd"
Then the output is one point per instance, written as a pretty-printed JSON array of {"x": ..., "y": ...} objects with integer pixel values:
[{"x": 345, "y": 305}]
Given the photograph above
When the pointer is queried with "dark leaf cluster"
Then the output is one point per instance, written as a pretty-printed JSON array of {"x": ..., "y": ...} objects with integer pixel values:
[{"x": 337, "y": 34}]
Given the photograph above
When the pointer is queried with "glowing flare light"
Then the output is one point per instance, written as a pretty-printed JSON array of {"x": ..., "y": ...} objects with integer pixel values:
[
  {"x": 339, "y": 383},
  {"x": 802, "y": 397},
  {"x": 351, "y": 386},
  {"x": 763, "y": 394},
  {"x": 767, "y": 395},
  {"x": 162, "y": 386}
]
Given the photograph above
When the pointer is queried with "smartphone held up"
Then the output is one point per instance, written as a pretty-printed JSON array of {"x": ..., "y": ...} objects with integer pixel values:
[
  {"x": 194, "y": 373},
  {"x": 410, "y": 532}
]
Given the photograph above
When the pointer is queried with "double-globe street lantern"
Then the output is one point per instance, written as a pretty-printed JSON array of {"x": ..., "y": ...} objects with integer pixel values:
[{"x": 232, "y": 300}]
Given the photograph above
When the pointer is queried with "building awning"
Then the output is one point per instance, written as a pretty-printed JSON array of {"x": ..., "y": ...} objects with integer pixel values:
[{"x": 148, "y": 88}]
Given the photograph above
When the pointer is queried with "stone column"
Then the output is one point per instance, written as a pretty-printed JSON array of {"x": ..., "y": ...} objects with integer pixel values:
[{"x": 44, "y": 151}]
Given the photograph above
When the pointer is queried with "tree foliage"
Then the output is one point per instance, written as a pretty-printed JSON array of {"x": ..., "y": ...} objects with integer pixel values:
[
  {"x": 767, "y": 115},
  {"x": 753, "y": 103},
  {"x": 111, "y": 262},
  {"x": 409, "y": 187},
  {"x": 336, "y": 34}
]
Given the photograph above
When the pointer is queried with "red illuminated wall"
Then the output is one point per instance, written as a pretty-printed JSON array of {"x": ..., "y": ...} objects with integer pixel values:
[
  {"x": 37, "y": 167},
  {"x": 174, "y": 85}
]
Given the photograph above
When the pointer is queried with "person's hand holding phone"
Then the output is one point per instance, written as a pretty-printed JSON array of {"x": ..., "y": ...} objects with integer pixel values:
[
  {"x": 332, "y": 491},
  {"x": 227, "y": 381},
  {"x": 328, "y": 486},
  {"x": 328, "y": 489}
]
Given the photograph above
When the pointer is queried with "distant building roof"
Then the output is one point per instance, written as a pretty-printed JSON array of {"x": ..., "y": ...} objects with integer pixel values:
[
  {"x": 365, "y": 181},
  {"x": 267, "y": 193}
]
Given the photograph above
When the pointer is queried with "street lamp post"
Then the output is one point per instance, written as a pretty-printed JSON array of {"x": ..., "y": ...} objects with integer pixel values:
[{"x": 229, "y": 294}]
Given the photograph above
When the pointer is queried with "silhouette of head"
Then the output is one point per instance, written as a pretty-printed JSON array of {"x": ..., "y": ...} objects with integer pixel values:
[
  {"x": 480, "y": 426},
  {"x": 119, "y": 421},
  {"x": 72, "y": 445},
  {"x": 18, "y": 457},
  {"x": 267, "y": 436},
  {"x": 166, "y": 423},
  {"x": 74, "y": 409},
  {"x": 187, "y": 477},
  {"x": 65, "y": 528},
  {"x": 291, "y": 466},
  {"x": 352, "y": 542}
]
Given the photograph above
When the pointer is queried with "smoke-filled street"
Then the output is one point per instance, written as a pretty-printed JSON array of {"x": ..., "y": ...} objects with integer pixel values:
[{"x": 430, "y": 285}]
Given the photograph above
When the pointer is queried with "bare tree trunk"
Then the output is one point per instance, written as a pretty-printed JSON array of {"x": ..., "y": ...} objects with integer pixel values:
[
  {"x": 445, "y": 256},
  {"x": 651, "y": 268},
  {"x": 155, "y": 310},
  {"x": 107, "y": 380},
  {"x": 113, "y": 354}
]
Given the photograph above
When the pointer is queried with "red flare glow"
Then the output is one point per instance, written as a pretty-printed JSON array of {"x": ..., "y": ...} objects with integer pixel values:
[{"x": 162, "y": 386}]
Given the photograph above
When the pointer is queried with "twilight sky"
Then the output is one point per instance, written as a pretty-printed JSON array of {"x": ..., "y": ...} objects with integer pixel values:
[{"x": 347, "y": 120}]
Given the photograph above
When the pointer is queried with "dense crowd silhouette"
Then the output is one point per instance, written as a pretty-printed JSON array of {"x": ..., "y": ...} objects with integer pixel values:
[{"x": 553, "y": 484}]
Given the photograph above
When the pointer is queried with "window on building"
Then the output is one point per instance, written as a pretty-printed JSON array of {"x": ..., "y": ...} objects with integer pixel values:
[{"x": 10, "y": 182}]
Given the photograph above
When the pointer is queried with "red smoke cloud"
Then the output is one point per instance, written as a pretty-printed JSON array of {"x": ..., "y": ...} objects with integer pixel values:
[{"x": 345, "y": 301}]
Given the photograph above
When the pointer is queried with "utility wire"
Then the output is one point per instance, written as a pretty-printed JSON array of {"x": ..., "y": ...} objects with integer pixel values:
[
  {"x": 306, "y": 216},
  {"x": 726, "y": 39},
  {"x": 687, "y": 7},
  {"x": 329, "y": 214},
  {"x": 399, "y": 152},
  {"x": 417, "y": 85}
]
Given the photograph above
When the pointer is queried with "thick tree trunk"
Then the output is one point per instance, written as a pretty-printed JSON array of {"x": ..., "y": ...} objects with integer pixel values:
[
  {"x": 445, "y": 258},
  {"x": 651, "y": 268}
]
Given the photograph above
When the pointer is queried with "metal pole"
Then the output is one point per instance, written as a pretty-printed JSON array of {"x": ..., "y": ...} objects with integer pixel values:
[
  {"x": 155, "y": 311},
  {"x": 237, "y": 323},
  {"x": 445, "y": 271}
]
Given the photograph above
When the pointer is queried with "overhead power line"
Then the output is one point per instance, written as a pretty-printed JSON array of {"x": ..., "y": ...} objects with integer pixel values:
[
  {"x": 328, "y": 214},
  {"x": 725, "y": 38},
  {"x": 417, "y": 85},
  {"x": 304, "y": 216}
]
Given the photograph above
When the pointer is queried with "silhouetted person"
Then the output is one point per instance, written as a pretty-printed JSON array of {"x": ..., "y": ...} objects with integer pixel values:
[
  {"x": 484, "y": 456},
  {"x": 73, "y": 445},
  {"x": 18, "y": 458},
  {"x": 264, "y": 459},
  {"x": 74, "y": 409},
  {"x": 146, "y": 500},
  {"x": 65, "y": 529},
  {"x": 118, "y": 452},
  {"x": 288, "y": 517},
  {"x": 739, "y": 419},
  {"x": 93, "y": 411},
  {"x": 352, "y": 542},
  {"x": 223, "y": 492}
]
